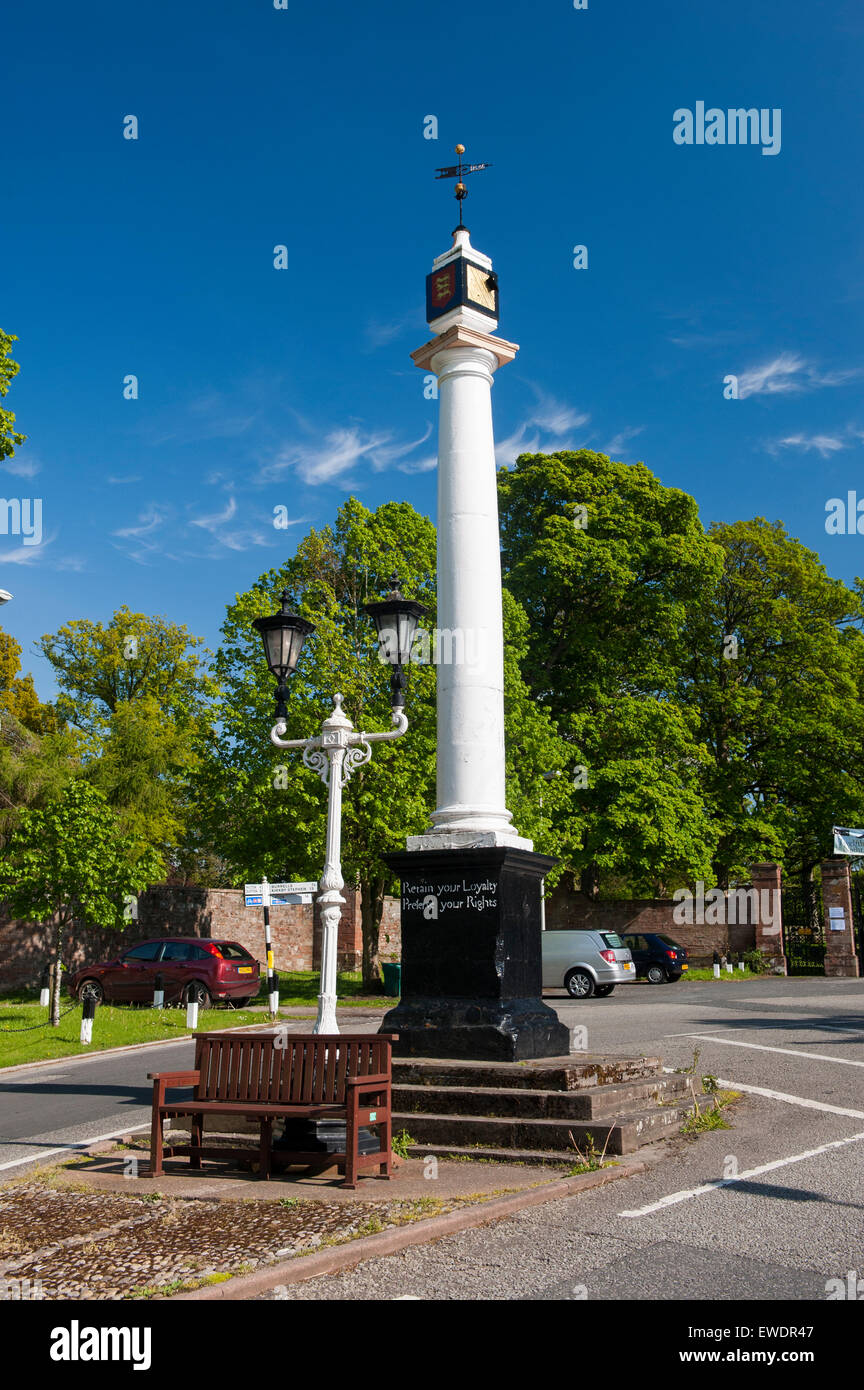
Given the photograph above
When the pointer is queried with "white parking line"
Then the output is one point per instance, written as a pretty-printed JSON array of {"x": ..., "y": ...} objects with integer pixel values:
[
  {"x": 761, "y": 1047},
  {"x": 675, "y": 1197},
  {"x": 791, "y": 1100},
  {"x": 79, "y": 1144}
]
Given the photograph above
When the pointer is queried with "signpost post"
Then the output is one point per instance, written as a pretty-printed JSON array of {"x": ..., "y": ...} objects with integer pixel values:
[{"x": 267, "y": 895}]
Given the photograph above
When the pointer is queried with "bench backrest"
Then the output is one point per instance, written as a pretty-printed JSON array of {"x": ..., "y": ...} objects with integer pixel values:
[{"x": 308, "y": 1069}]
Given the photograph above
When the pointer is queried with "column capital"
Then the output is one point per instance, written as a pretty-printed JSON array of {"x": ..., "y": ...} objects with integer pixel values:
[{"x": 461, "y": 337}]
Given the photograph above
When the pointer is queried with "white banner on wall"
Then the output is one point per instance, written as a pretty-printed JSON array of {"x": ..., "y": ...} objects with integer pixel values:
[{"x": 848, "y": 841}]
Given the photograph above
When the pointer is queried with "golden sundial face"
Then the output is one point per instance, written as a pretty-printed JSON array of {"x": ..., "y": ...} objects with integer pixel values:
[{"x": 478, "y": 290}]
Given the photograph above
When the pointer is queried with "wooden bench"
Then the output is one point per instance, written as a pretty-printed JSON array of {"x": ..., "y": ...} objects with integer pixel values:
[{"x": 268, "y": 1076}]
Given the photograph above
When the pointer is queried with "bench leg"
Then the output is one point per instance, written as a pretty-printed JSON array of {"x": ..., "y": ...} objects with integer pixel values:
[
  {"x": 352, "y": 1139},
  {"x": 385, "y": 1130},
  {"x": 195, "y": 1137},
  {"x": 265, "y": 1148},
  {"x": 156, "y": 1144}
]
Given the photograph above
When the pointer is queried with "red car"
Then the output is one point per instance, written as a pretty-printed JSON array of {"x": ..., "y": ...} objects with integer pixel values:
[{"x": 192, "y": 968}]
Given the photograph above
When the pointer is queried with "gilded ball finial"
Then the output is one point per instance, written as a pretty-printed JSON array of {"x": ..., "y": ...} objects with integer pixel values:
[{"x": 460, "y": 149}]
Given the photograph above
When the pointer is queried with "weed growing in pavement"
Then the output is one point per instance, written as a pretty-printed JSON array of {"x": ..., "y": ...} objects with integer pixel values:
[
  {"x": 699, "y": 1121},
  {"x": 400, "y": 1143},
  {"x": 709, "y": 1083},
  {"x": 592, "y": 1158}
]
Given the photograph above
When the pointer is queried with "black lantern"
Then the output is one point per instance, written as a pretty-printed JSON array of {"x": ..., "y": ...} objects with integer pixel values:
[
  {"x": 283, "y": 635},
  {"x": 396, "y": 619}
]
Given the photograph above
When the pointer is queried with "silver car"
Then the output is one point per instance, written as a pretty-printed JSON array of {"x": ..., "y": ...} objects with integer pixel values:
[{"x": 586, "y": 962}]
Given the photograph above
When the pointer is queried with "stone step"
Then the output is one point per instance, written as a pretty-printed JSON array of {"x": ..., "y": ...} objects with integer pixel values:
[
  {"x": 576, "y": 1072},
  {"x": 624, "y": 1135},
  {"x": 558, "y": 1158},
  {"x": 609, "y": 1102}
]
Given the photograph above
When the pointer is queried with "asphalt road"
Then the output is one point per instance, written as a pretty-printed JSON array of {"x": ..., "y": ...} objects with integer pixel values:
[
  {"x": 777, "y": 1232},
  {"x": 770, "y": 1209}
]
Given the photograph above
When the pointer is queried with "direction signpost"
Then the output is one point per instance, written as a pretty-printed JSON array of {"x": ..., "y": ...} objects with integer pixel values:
[{"x": 269, "y": 895}]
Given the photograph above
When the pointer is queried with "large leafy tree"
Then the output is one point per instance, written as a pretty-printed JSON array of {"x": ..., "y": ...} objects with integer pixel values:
[
  {"x": 101, "y": 666},
  {"x": 18, "y": 694},
  {"x": 69, "y": 860},
  {"x": 776, "y": 674},
  {"x": 139, "y": 691},
  {"x": 607, "y": 563}
]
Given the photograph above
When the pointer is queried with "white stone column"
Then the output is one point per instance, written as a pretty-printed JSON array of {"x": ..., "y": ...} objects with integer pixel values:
[{"x": 471, "y": 800}]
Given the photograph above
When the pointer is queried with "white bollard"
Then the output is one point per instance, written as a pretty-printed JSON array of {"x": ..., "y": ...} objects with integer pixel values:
[
  {"x": 741, "y": 965},
  {"x": 87, "y": 1017},
  {"x": 729, "y": 967},
  {"x": 191, "y": 1014}
]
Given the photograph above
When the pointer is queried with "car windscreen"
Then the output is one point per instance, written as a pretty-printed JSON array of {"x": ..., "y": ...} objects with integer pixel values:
[
  {"x": 667, "y": 940},
  {"x": 612, "y": 939},
  {"x": 231, "y": 951}
]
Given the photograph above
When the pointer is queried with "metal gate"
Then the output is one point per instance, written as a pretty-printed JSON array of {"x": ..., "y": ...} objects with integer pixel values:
[{"x": 803, "y": 929}]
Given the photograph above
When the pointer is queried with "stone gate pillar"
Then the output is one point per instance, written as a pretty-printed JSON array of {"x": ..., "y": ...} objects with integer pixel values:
[
  {"x": 840, "y": 955},
  {"x": 769, "y": 916}
]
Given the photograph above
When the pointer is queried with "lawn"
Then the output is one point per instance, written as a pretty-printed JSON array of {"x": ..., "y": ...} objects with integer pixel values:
[
  {"x": 707, "y": 973},
  {"x": 26, "y": 1037}
]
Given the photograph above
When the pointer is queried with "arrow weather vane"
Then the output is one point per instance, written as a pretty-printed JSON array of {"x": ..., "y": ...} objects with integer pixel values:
[{"x": 458, "y": 172}]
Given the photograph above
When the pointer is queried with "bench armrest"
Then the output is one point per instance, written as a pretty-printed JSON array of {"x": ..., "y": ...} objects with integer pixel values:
[
  {"x": 174, "y": 1078},
  {"x": 371, "y": 1083}
]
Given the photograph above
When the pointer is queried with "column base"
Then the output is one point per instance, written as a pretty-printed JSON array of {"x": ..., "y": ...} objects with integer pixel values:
[
  {"x": 513, "y": 1030},
  {"x": 471, "y": 956}
]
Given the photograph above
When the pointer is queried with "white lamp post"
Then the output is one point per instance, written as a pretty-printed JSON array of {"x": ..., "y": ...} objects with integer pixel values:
[{"x": 337, "y": 751}]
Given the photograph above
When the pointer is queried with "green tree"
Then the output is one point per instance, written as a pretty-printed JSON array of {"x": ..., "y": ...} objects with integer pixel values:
[
  {"x": 18, "y": 694},
  {"x": 9, "y": 436},
  {"x": 607, "y": 563},
  {"x": 776, "y": 674},
  {"x": 99, "y": 667},
  {"x": 68, "y": 861}
]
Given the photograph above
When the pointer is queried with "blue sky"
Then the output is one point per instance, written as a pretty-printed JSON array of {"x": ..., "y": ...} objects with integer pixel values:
[{"x": 261, "y": 388}]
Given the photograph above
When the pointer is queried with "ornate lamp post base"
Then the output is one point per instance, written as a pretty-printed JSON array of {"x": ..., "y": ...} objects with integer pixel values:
[{"x": 471, "y": 957}]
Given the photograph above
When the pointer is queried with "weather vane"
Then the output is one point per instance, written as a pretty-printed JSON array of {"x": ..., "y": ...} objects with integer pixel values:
[{"x": 458, "y": 172}]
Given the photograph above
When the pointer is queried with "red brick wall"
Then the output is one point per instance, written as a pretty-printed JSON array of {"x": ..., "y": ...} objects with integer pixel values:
[
  {"x": 220, "y": 912},
  {"x": 572, "y": 910}
]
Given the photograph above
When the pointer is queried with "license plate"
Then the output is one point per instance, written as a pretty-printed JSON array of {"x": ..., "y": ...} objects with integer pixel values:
[
  {"x": 685, "y": 967},
  {"x": 244, "y": 969},
  {"x": 628, "y": 965}
]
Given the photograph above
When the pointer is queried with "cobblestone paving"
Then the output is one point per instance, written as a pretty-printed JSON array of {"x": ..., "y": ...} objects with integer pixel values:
[{"x": 83, "y": 1244}]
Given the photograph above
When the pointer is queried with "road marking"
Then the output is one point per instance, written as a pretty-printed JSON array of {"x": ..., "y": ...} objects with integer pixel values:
[
  {"x": 791, "y": 1100},
  {"x": 79, "y": 1144},
  {"x": 675, "y": 1197},
  {"x": 761, "y": 1047}
]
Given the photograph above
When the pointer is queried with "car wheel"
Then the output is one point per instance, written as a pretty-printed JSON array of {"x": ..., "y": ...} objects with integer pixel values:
[
  {"x": 603, "y": 991},
  {"x": 91, "y": 989},
  {"x": 656, "y": 975},
  {"x": 579, "y": 984},
  {"x": 197, "y": 993}
]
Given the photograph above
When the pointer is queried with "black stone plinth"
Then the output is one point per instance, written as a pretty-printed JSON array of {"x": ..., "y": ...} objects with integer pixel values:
[{"x": 471, "y": 961}]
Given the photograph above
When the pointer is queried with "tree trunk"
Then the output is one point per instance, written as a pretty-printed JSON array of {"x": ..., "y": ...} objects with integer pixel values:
[
  {"x": 590, "y": 881},
  {"x": 55, "y": 985},
  {"x": 371, "y": 912}
]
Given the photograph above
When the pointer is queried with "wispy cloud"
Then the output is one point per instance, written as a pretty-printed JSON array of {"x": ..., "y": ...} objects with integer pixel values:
[
  {"x": 789, "y": 373},
  {"x": 139, "y": 542},
  {"x": 550, "y": 417},
  {"x": 19, "y": 467},
  {"x": 342, "y": 450},
  {"x": 823, "y": 444},
  {"x": 378, "y": 333},
  {"x": 113, "y": 481},
  {"x": 618, "y": 443}
]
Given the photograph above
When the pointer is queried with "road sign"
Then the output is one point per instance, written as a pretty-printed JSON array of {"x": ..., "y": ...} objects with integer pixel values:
[{"x": 280, "y": 894}]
